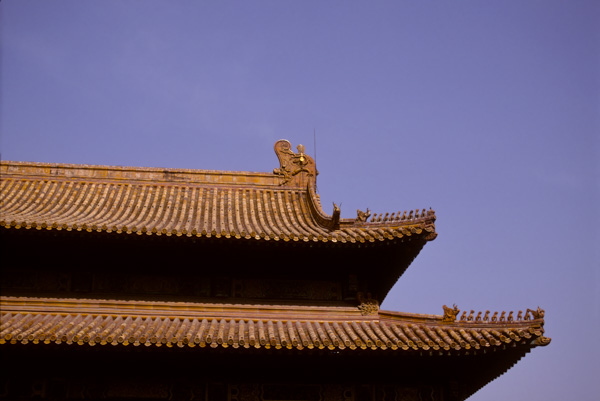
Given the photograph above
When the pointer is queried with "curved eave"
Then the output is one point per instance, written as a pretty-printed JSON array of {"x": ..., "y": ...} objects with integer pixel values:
[
  {"x": 249, "y": 206},
  {"x": 88, "y": 322},
  {"x": 345, "y": 236}
]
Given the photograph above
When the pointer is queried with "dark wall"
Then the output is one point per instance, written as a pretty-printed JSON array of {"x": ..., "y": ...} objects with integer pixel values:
[
  {"x": 57, "y": 372},
  {"x": 130, "y": 266},
  {"x": 70, "y": 371}
]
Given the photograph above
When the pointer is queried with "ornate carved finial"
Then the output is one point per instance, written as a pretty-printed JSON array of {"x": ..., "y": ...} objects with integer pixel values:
[
  {"x": 450, "y": 314},
  {"x": 478, "y": 317},
  {"x": 470, "y": 317},
  {"x": 535, "y": 314},
  {"x": 542, "y": 341},
  {"x": 486, "y": 317},
  {"x": 292, "y": 164},
  {"x": 368, "y": 305},
  {"x": 361, "y": 217},
  {"x": 369, "y": 308}
]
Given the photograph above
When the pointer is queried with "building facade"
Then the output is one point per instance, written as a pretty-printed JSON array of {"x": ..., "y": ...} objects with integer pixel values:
[{"x": 144, "y": 283}]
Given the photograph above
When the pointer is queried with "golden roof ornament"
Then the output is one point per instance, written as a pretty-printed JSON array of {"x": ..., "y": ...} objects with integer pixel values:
[
  {"x": 450, "y": 314},
  {"x": 294, "y": 166},
  {"x": 367, "y": 305},
  {"x": 496, "y": 317},
  {"x": 361, "y": 217}
]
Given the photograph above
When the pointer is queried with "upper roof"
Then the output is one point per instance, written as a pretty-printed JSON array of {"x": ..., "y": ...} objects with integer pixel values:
[{"x": 281, "y": 205}]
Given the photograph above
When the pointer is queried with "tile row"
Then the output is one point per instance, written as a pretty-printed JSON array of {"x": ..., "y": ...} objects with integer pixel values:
[
  {"x": 92, "y": 329},
  {"x": 210, "y": 211}
]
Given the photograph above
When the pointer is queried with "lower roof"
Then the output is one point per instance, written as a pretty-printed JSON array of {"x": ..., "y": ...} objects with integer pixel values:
[{"x": 122, "y": 323}]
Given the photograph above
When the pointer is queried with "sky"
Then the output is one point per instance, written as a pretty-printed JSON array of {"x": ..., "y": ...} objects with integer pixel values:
[{"x": 487, "y": 112}]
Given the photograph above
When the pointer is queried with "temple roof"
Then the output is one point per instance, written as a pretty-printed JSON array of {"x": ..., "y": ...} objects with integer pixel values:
[
  {"x": 100, "y": 322},
  {"x": 281, "y": 205}
]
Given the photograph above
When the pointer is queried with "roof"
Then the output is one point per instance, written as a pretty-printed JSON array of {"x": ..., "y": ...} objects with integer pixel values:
[
  {"x": 102, "y": 322},
  {"x": 279, "y": 206}
]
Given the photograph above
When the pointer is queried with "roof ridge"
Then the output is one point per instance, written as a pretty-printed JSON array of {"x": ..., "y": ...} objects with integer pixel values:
[
  {"x": 15, "y": 303},
  {"x": 153, "y": 175}
]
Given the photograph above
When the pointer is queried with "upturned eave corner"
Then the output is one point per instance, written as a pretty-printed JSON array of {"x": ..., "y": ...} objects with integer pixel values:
[
  {"x": 527, "y": 325},
  {"x": 419, "y": 221},
  {"x": 329, "y": 222},
  {"x": 297, "y": 169},
  {"x": 424, "y": 216}
]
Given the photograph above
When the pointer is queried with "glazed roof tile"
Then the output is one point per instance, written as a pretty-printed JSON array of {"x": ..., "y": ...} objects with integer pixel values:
[
  {"x": 276, "y": 206},
  {"x": 93, "y": 322}
]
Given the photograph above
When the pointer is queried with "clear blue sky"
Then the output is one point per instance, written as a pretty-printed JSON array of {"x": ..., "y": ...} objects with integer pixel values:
[{"x": 486, "y": 111}]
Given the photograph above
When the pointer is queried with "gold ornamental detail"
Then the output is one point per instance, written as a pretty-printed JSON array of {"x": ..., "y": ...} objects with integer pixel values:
[
  {"x": 292, "y": 164},
  {"x": 368, "y": 305},
  {"x": 500, "y": 317},
  {"x": 450, "y": 314}
]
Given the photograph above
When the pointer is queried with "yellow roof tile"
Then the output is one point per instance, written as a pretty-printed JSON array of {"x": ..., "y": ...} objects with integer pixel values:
[
  {"x": 281, "y": 205},
  {"x": 32, "y": 320}
]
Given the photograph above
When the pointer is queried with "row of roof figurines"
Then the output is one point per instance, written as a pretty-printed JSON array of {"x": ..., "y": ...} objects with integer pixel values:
[
  {"x": 381, "y": 218},
  {"x": 450, "y": 315}
]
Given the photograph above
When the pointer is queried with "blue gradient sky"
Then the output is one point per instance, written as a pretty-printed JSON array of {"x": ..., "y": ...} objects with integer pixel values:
[{"x": 488, "y": 112}]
